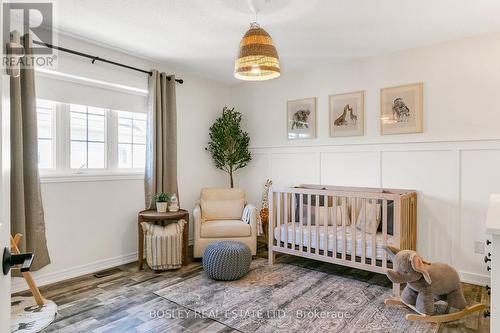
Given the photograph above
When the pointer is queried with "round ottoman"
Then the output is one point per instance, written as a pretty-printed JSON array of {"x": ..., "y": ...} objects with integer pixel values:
[{"x": 226, "y": 260}]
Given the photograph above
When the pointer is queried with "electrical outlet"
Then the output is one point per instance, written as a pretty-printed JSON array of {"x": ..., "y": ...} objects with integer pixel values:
[{"x": 479, "y": 247}]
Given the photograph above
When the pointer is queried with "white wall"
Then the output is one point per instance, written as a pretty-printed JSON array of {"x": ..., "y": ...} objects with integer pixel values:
[
  {"x": 92, "y": 225},
  {"x": 454, "y": 164}
]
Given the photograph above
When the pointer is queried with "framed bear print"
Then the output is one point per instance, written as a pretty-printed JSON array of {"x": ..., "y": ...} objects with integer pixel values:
[
  {"x": 301, "y": 118},
  {"x": 347, "y": 114},
  {"x": 402, "y": 109}
]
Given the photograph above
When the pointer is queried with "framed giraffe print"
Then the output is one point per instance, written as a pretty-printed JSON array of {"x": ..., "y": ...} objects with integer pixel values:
[
  {"x": 347, "y": 114},
  {"x": 402, "y": 109}
]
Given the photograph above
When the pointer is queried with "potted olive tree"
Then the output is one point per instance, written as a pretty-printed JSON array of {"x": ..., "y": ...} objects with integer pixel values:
[
  {"x": 161, "y": 200},
  {"x": 228, "y": 143}
]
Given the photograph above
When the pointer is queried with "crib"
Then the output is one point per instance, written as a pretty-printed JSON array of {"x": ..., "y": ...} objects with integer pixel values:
[{"x": 342, "y": 225}]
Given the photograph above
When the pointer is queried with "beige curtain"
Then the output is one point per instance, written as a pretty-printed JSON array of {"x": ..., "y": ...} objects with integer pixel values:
[
  {"x": 27, "y": 215},
  {"x": 161, "y": 150}
]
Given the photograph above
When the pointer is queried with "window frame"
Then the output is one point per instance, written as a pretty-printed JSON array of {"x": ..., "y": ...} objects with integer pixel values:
[
  {"x": 87, "y": 141},
  {"x": 53, "y": 134},
  {"x": 132, "y": 143},
  {"x": 62, "y": 171}
]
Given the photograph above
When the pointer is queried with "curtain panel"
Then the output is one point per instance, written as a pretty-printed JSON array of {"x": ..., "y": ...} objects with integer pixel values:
[
  {"x": 27, "y": 216},
  {"x": 161, "y": 149}
]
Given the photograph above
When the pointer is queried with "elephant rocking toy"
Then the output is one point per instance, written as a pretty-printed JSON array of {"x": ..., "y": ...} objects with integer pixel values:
[{"x": 425, "y": 283}]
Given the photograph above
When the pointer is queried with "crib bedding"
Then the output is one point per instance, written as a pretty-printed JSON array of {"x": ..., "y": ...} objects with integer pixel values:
[{"x": 339, "y": 243}]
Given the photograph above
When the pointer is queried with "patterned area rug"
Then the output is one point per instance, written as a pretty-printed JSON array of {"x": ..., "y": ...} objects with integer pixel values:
[
  {"x": 28, "y": 317},
  {"x": 288, "y": 298}
]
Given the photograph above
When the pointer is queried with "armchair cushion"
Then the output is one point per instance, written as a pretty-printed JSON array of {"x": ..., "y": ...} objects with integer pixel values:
[
  {"x": 222, "y": 209},
  {"x": 219, "y": 193},
  {"x": 225, "y": 229}
]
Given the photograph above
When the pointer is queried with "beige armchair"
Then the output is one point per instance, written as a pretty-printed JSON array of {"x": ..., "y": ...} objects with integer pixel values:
[{"x": 218, "y": 216}]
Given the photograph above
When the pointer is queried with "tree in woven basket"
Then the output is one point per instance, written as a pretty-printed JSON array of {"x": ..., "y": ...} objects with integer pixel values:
[{"x": 228, "y": 143}]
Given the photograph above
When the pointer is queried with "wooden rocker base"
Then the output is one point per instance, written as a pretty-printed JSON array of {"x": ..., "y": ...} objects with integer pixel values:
[
  {"x": 14, "y": 241},
  {"x": 434, "y": 318}
]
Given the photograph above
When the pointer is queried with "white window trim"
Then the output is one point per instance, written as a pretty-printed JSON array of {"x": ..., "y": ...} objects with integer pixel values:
[
  {"x": 62, "y": 172},
  {"x": 88, "y": 177}
]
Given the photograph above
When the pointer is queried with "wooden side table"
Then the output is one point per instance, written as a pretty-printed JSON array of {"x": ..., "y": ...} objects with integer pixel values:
[{"x": 153, "y": 216}]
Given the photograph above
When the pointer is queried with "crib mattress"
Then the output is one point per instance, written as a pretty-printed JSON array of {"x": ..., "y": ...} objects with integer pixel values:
[{"x": 339, "y": 244}]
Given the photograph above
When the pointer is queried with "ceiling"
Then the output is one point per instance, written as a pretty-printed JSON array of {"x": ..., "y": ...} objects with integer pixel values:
[{"x": 203, "y": 35}]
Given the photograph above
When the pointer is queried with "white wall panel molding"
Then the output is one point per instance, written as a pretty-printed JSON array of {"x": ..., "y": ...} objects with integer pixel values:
[{"x": 450, "y": 193}]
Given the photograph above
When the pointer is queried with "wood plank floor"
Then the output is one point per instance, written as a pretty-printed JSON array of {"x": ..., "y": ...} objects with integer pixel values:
[{"x": 123, "y": 300}]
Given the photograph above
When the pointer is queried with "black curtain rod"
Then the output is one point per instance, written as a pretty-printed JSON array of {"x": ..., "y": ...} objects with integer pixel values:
[{"x": 94, "y": 59}]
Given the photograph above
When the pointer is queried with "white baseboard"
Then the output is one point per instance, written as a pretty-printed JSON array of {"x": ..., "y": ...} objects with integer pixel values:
[
  {"x": 474, "y": 278},
  {"x": 18, "y": 284}
]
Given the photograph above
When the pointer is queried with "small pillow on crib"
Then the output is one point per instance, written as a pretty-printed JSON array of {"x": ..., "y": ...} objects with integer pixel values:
[
  {"x": 368, "y": 222},
  {"x": 322, "y": 212}
]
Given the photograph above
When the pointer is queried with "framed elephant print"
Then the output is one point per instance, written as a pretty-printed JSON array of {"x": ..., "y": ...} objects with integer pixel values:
[
  {"x": 347, "y": 114},
  {"x": 301, "y": 118},
  {"x": 402, "y": 109}
]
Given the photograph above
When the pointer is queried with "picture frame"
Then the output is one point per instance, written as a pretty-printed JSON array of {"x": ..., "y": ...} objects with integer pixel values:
[
  {"x": 402, "y": 109},
  {"x": 347, "y": 114},
  {"x": 301, "y": 118}
]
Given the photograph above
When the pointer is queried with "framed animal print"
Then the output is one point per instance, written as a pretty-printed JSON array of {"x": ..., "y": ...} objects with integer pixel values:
[
  {"x": 301, "y": 118},
  {"x": 347, "y": 114},
  {"x": 402, "y": 109}
]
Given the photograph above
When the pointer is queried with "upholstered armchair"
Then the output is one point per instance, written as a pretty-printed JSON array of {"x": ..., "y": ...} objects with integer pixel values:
[{"x": 218, "y": 216}]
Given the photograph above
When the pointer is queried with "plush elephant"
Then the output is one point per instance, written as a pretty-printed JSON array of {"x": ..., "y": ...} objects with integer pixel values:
[{"x": 425, "y": 281}]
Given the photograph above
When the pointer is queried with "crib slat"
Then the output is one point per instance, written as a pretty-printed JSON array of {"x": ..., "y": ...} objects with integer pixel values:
[
  {"x": 384, "y": 232},
  {"x": 316, "y": 223},
  {"x": 270, "y": 226},
  {"x": 301, "y": 222},
  {"x": 353, "y": 228},
  {"x": 285, "y": 217},
  {"x": 344, "y": 233},
  {"x": 293, "y": 220},
  {"x": 397, "y": 221},
  {"x": 374, "y": 232},
  {"x": 325, "y": 224},
  {"x": 403, "y": 222},
  {"x": 309, "y": 223},
  {"x": 278, "y": 217},
  {"x": 363, "y": 233},
  {"x": 335, "y": 217}
]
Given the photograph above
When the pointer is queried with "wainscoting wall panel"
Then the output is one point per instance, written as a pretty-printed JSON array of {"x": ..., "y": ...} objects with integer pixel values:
[
  {"x": 351, "y": 168},
  {"x": 431, "y": 173},
  {"x": 295, "y": 168},
  {"x": 479, "y": 177},
  {"x": 251, "y": 177},
  {"x": 453, "y": 179}
]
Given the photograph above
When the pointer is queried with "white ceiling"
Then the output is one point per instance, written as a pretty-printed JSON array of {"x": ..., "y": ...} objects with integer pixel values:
[{"x": 203, "y": 35}]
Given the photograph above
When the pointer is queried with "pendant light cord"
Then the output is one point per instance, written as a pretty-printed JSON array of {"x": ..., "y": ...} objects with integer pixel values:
[{"x": 254, "y": 9}]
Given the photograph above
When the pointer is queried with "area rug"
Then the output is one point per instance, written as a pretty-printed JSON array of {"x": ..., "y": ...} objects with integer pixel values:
[
  {"x": 288, "y": 298},
  {"x": 28, "y": 317}
]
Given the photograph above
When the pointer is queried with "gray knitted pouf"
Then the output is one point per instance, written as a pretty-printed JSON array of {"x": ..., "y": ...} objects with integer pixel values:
[{"x": 226, "y": 260}]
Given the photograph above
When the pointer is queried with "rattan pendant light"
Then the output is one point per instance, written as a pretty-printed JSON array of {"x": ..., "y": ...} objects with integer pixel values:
[{"x": 257, "y": 58}]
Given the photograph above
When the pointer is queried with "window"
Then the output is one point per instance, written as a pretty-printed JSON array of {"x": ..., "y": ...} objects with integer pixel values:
[
  {"x": 45, "y": 117},
  {"x": 131, "y": 139},
  {"x": 88, "y": 137},
  {"x": 82, "y": 139}
]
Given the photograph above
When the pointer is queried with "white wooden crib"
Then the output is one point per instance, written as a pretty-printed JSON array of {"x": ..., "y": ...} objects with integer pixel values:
[{"x": 329, "y": 223}]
